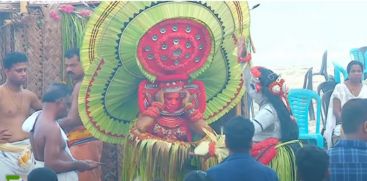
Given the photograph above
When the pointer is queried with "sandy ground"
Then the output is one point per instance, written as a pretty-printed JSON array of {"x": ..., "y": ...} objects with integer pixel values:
[{"x": 294, "y": 76}]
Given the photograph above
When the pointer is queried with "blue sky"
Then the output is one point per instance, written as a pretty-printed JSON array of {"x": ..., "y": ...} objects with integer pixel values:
[{"x": 296, "y": 33}]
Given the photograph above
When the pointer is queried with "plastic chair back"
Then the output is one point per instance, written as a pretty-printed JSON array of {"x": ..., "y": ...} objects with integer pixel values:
[
  {"x": 307, "y": 82},
  {"x": 339, "y": 70},
  {"x": 300, "y": 101},
  {"x": 360, "y": 54},
  {"x": 325, "y": 90},
  {"x": 356, "y": 54}
]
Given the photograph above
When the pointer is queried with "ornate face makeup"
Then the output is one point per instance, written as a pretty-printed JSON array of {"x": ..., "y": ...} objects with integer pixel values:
[{"x": 172, "y": 101}]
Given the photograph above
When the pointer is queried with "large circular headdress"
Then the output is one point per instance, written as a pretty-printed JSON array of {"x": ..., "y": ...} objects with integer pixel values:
[{"x": 127, "y": 42}]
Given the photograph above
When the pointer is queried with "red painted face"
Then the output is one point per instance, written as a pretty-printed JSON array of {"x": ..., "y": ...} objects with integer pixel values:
[{"x": 172, "y": 101}]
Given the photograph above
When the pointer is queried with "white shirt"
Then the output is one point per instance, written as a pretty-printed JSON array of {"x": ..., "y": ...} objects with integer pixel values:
[{"x": 266, "y": 123}]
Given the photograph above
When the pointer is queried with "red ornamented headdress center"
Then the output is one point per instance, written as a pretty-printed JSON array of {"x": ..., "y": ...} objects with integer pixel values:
[{"x": 175, "y": 46}]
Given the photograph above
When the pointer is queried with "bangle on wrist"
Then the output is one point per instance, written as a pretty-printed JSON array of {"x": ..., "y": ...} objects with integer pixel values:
[{"x": 75, "y": 164}]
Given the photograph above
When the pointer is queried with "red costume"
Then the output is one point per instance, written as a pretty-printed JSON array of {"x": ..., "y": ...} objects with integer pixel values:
[{"x": 184, "y": 48}]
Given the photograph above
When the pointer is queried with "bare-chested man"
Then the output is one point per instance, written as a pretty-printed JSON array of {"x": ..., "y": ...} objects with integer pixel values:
[
  {"x": 82, "y": 144},
  {"x": 15, "y": 106},
  {"x": 49, "y": 140}
]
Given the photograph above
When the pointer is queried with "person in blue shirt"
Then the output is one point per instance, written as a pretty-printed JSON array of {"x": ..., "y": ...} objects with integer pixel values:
[
  {"x": 239, "y": 165},
  {"x": 348, "y": 158}
]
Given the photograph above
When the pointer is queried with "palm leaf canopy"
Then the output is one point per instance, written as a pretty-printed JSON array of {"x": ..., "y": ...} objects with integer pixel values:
[{"x": 108, "y": 95}]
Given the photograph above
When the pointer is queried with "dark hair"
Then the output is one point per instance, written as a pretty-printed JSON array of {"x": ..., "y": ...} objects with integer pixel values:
[
  {"x": 70, "y": 53},
  {"x": 13, "y": 58},
  {"x": 312, "y": 163},
  {"x": 42, "y": 174},
  {"x": 289, "y": 128},
  {"x": 196, "y": 175},
  {"x": 56, "y": 91},
  {"x": 239, "y": 132},
  {"x": 354, "y": 62},
  {"x": 353, "y": 115}
]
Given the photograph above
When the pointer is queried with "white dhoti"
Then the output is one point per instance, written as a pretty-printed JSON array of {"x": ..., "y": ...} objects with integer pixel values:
[
  {"x": 66, "y": 176},
  {"x": 10, "y": 155}
]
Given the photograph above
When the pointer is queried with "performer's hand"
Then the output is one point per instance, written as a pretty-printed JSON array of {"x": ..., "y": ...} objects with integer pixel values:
[
  {"x": 5, "y": 135},
  {"x": 187, "y": 99},
  {"x": 83, "y": 165},
  {"x": 159, "y": 96}
]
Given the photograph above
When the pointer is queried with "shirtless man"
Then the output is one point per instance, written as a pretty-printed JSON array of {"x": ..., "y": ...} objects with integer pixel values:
[
  {"x": 49, "y": 140},
  {"x": 15, "y": 106},
  {"x": 82, "y": 144}
]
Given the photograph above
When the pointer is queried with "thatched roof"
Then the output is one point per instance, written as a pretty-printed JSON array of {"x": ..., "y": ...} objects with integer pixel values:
[
  {"x": 10, "y": 7},
  {"x": 16, "y": 6}
]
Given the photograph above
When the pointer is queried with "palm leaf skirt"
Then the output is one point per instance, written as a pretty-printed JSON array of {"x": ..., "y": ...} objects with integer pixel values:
[
  {"x": 284, "y": 163},
  {"x": 152, "y": 158}
]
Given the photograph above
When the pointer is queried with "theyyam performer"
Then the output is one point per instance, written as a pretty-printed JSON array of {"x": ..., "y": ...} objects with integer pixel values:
[{"x": 156, "y": 75}]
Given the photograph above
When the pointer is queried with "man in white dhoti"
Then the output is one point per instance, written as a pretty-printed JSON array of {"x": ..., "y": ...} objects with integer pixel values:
[
  {"x": 15, "y": 105},
  {"x": 49, "y": 141}
]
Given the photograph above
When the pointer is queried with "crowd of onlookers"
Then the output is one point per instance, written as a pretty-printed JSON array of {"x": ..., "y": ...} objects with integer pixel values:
[
  {"x": 347, "y": 160},
  {"x": 40, "y": 141}
]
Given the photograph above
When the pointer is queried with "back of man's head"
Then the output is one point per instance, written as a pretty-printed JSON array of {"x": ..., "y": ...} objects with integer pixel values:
[
  {"x": 312, "y": 164},
  {"x": 70, "y": 53},
  {"x": 354, "y": 115},
  {"x": 13, "y": 58},
  {"x": 42, "y": 174},
  {"x": 55, "y": 92},
  {"x": 239, "y": 132}
]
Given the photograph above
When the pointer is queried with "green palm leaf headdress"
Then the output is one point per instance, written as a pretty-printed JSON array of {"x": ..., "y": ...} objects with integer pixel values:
[{"x": 108, "y": 96}]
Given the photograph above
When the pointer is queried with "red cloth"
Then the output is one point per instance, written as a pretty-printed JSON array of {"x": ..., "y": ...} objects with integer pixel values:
[
  {"x": 265, "y": 151},
  {"x": 89, "y": 151}
]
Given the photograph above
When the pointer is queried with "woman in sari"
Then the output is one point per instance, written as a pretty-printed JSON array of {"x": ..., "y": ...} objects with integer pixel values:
[{"x": 350, "y": 89}]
